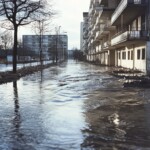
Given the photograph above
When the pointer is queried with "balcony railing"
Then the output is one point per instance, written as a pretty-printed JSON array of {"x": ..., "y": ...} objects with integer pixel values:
[
  {"x": 106, "y": 44},
  {"x": 122, "y": 5},
  {"x": 129, "y": 35},
  {"x": 98, "y": 9}
]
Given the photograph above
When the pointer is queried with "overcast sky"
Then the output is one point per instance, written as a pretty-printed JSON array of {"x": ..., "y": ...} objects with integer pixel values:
[{"x": 69, "y": 18}]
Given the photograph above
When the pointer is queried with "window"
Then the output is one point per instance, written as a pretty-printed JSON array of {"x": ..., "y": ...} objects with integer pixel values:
[
  {"x": 138, "y": 54},
  {"x": 132, "y": 55},
  {"x": 129, "y": 55},
  {"x": 123, "y": 55},
  {"x": 143, "y": 53}
]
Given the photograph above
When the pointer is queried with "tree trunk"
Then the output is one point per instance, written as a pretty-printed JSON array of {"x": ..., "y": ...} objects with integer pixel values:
[{"x": 15, "y": 49}]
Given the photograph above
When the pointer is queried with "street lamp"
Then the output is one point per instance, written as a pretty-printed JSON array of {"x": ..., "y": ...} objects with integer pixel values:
[
  {"x": 63, "y": 49},
  {"x": 57, "y": 29}
]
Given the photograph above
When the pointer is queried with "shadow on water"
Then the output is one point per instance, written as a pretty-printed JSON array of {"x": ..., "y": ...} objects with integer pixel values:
[
  {"x": 16, "y": 107},
  {"x": 17, "y": 135}
]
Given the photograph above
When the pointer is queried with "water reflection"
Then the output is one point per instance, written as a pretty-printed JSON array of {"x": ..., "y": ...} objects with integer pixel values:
[
  {"x": 17, "y": 119},
  {"x": 17, "y": 135}
]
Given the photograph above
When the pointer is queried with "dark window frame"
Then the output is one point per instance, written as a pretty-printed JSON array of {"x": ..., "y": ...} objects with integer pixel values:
[
  {"x": 143, "y": 54},
  {"x": 138, "y": 54},
  {"x": 124, "y": 55}
]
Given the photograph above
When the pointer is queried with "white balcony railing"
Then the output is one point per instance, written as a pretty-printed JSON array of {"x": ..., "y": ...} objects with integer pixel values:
[
  {"x": 97, "y": 34},
  {"x": 122, "y": 5},
  {"x": 128, "y": 35},
  {"x": 106, "y": 44}
]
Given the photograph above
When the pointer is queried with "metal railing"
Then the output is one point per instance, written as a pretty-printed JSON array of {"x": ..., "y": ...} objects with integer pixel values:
[{"x": 129, "y": 35}]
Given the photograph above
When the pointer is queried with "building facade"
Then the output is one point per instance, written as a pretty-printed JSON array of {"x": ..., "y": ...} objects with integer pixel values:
[
  {"x": 81, "y": 36},
  {"x": 47, "y": 45},
  {"x": 119, "y": 33},
  {"x": 84, "y": 34}
]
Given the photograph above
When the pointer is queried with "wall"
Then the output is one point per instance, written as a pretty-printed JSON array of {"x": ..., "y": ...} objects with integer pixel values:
[{"x": 134, "y": 63}]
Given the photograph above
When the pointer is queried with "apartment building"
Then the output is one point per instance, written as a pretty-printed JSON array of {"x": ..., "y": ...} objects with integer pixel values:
[
  {"x": 81, "y": 36},
  {"x": 118, "y": 33},
  {"x": 84, "y": 33},
  {"x": 48, "y": 44}
]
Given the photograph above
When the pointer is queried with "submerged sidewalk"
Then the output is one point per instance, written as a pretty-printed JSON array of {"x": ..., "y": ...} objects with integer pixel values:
[{"x": 9, "y": 76}]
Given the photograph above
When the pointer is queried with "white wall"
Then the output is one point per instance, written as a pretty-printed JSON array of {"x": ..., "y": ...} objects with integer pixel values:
[
  {"x": 140, "y": 64},
  {"x": 135, "y": 63}
]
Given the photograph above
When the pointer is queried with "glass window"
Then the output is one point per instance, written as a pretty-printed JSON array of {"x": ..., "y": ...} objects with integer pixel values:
[
  {"x": 132, "y": 55},
  {"x": 138, "y": 54},
  {"x": 129, "y": 55},
  {"x": 143, "y": 53},
  {"x": 123, "y": 55}
]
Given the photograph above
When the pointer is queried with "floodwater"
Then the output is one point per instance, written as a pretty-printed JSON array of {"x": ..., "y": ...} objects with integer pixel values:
[
  {"x": 9, "y": 67},
  {"x": 74, "y": 106}
]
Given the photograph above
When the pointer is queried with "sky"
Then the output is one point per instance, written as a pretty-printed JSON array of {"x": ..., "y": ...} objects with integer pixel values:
[{"x": 69, "y": 18}]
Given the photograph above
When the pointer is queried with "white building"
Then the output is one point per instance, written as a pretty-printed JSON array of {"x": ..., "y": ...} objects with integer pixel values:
[
  {"x": 85, "y": 32},
  {"x": 49, "y": 45},
  {"x": 81, "y": 36},
  {"x": 119, "y": 33}
]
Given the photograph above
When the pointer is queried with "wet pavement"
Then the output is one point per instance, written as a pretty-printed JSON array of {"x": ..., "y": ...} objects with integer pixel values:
[{"x": 75, "y": 106}]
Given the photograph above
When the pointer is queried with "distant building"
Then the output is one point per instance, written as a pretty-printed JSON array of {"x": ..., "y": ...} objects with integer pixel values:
[
  {"x": 70, "y": 54},
  {"x": 49, "y": 45}
]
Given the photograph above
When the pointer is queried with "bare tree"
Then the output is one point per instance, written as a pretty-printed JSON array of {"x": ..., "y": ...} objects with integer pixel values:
[
  {"x": 19, "y": 13},
  {"x": 6, "y": 39},
  {"x": 41, "y": 27}
]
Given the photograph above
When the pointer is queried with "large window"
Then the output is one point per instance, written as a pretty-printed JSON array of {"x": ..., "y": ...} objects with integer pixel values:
[
  {"x": 129, "y": 56},
  {"x": 123, "y": 55},
  {"x": 132, "y": 55},
  {"x": 138, "y": 54},
  {"x": 143, "y": 53}
]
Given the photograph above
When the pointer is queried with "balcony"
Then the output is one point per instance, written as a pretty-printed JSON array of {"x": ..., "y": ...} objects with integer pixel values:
[
  {"x": 106, "y": 45},
  {"x": 97, "y": 37},
  {"x": 95, "y": 29},
  {"x": 129, "y": 9},
  {"x": 98, "y": 10},
  {"x": 106, "y": 12},
  {"x": 108, "y": 26},
  {"x": 129, "y": 36},
  {"x": 101, "y": 33}
]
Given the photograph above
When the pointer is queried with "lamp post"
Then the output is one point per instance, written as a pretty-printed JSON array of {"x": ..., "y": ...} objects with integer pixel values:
[
  {"x": 63, "y": 49},
  {"x": 57, "y": 29}
]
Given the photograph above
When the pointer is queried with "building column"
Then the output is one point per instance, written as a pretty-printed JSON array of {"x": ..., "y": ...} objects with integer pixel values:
[{"x": 148, "y": 58}]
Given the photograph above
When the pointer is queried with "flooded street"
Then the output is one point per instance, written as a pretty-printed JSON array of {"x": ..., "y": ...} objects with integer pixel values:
[{"x": 74, "y": 106}]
